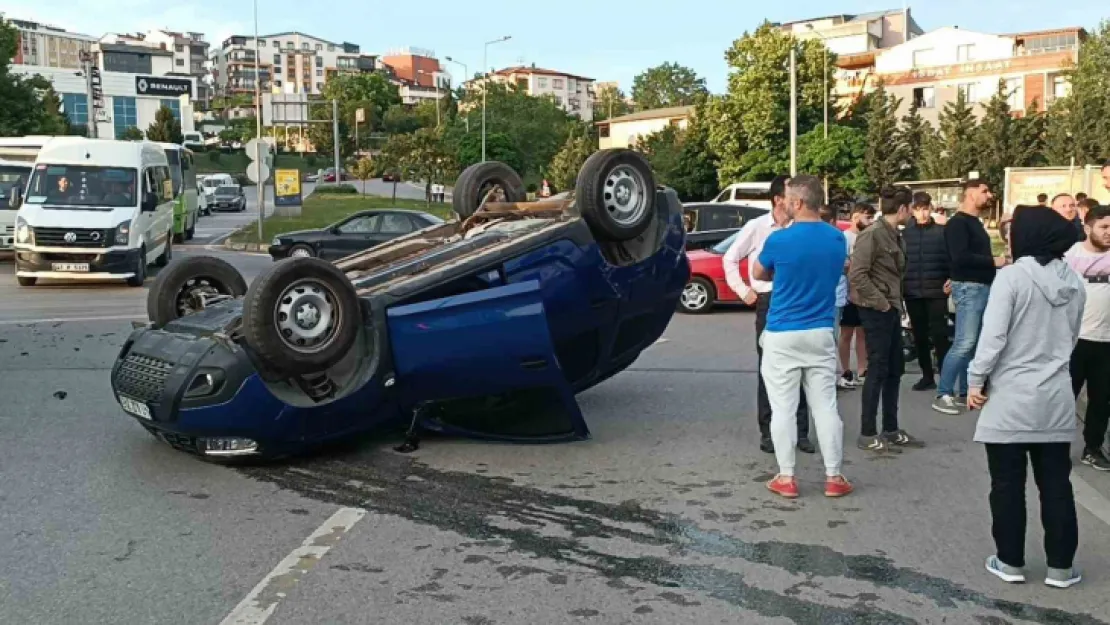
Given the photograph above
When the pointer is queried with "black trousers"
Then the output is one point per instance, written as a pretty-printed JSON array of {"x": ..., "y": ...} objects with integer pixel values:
[
  {"x": 1090, "y": 365},
  {"x": 929, "y": 318},
  {"x": 763, "y": 405},
  {"x": 882, "y": 332},
  {"x": 1051, "y": 471}
]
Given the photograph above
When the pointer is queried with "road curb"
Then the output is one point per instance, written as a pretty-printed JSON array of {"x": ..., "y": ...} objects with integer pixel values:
[{"x": 245, "y": 247}]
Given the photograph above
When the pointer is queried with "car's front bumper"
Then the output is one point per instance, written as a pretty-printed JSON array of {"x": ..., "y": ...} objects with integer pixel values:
[
  {"x": 103, "y": 263},
  {"x": 218, "y": 205},
  {"x": 278, "y": 252}
]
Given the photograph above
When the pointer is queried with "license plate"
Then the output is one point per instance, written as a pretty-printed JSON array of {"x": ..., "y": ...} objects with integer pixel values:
[
  {"x": 75, "y": 267},
  {"x": 135, "y": 407}
]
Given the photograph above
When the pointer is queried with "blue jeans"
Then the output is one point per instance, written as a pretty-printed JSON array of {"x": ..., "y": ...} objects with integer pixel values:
[{"x": 971, "y": 301}]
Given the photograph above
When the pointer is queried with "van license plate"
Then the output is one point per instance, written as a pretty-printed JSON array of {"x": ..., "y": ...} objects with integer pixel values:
[
  {"x": 74, "y": 267},
  {"x": 135, "y": 407}
]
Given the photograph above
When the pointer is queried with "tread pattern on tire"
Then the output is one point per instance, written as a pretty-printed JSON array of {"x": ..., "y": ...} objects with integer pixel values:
[
  {"x": 466, "y": 197},
  {"x": 262, "y": 333},
  {"x": 588, "y": 189},
  {"x": 161, "y": 300}
]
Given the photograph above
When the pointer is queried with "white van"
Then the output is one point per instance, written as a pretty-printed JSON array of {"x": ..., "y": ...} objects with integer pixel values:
[
  {"x": 95, "y": 209},
  {"x": 13, "y": 178},
  {"x": 755, "y": 194},
  {"x": 215, "y": 181}
]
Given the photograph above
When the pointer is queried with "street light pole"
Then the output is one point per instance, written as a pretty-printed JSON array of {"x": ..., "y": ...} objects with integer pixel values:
[
  {"x": 258, "y": 125},
  {"x": 466, "y": 77},
  {"x": 824, "y": 92},
  {"x": 793, "y": 111},
  {"x": 485, "y": 87}
]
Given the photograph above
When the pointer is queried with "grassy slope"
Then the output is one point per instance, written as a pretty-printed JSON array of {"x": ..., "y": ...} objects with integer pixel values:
[
  {"x": 236, "y": 162},
  {"x": 320, "y": 210}
]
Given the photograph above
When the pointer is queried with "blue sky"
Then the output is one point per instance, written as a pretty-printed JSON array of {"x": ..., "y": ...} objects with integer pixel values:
[{"x": 584, "y": 37}]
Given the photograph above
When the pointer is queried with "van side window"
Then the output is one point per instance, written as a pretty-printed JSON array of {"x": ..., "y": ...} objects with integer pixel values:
[{"x": 187, "y": 171}]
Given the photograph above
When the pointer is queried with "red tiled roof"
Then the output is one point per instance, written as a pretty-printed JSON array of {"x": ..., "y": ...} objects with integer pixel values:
[{"x": 521, "y": 69}]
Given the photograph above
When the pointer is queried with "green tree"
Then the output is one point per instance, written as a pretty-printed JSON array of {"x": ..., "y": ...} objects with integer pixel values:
[
  {"x": 131, "y": 133},
  {"x": 28, "y": 104},
  {"x": 669, "y": 84},
  {"x": 842, "y": 157},
  {"x": 955, "y": 152},
  {"x": 885, "y": 154},
  {"x": 913, "y": 135},
  {"x": 609, "y": 103},
  {"x": 682, "y": 160},
  {"x": 564, "y": 167},
  {"x": 364, "y": 170},
  {"x": 372, "y": 92},
  {"x": 499, "y": 147},
  {"x": 321, "y": 135},
  {"x": 1003, "y": 141},
  {"x": 1079, "y": 123},
  {"x": 165, "y": 127},
  {"x": 751, "y": 123},
  {"x": 419, "y": 156}
]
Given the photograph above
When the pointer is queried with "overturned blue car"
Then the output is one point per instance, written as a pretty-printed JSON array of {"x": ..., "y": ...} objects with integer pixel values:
[{"x": 484, "y": 327}]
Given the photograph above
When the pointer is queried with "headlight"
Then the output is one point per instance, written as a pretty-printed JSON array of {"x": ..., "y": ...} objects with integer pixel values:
[
  {"x": 123, "y": 233},
  {"x": 276, "y": 241},
  {"x": 23, "y": 232}
]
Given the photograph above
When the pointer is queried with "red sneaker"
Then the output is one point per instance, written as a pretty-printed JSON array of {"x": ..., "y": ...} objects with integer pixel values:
[
  {"x": 783, "y": 485},
  {"x": 837, "y": 486}
]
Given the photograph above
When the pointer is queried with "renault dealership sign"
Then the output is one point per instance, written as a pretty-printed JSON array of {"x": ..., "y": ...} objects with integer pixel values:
[{"x": 163, "y": 86}]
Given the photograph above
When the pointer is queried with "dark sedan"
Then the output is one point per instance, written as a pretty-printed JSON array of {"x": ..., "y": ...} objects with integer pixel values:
[
  {"x": 353, "y": 234},
  {"x": 709, "y": 223},
  {"x": 228, "y": 198}
]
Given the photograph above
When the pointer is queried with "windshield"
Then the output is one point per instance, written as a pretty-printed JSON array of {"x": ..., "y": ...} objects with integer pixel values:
[
  {"x": 227, "y": 191},
  {"x": 82, "y": 185},
  {"x": 723, "y": 246},
  {"x": 174, "y": 157},
  {"x": 11, "y": 177}
]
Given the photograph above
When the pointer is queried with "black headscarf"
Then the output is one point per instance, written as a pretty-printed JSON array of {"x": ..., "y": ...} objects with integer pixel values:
[{"x": 1041, "y": 233}]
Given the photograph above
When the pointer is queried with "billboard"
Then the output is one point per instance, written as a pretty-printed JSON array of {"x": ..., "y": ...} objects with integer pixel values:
[{"x": 287, "y": 187}]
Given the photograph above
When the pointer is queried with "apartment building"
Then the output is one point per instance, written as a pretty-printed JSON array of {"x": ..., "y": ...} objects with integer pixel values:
[
  {"x": 625, "y": 131},
  {"x": 289, "y": 62},
  {"x": 188, "y": 53},
  {"x": 41, "y": 45},
  {"x": 575, "y": 94},
  {"x": 933, "y": 69},
  {"x": 857, "y": 40}
]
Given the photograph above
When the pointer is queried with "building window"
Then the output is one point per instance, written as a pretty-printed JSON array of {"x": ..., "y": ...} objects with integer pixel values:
[
  {"x": 277, "y": 44},
  {"x": 559, "y": 100},
  {"x": 1015, "y": 96},
  {"x": 319, "y": 46},
  {"x": 924, "y": 97},
  {"x": 179, "y": 48},
  {"x": 173, "y": 105},
  {"x": 319, "y": 72},
  {"x": 556, "y": 83},
  {"x": 261, "y": 43},
  {"x": 76, "y": 107},
  {"x": 277, "y": 59},
  {"x": 921, "y": 57},
  {"x": 319, "y": 86},
  {"x": 1060, "y": 87},
  {"x": 965, "y": 53},
  {"x": 541, "y": 82},
  {"x": 179, "y": 62},
  {"x": 289, "y": 45},
  {"x": 970, "y": 91},
  {"x": 124, "y": 114},
  {"x": 319, "y": 61},
  {"x": 305, "y": 46},
  {"x": 603, "y": 131}
]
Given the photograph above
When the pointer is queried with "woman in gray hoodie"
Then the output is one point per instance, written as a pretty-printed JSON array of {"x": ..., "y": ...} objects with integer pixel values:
[{"x": 1021, "y": 381}]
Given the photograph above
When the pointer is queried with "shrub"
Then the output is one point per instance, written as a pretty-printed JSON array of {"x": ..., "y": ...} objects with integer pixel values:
[
  {"x": 336, "y": 189},
  {"x": 311, "y": 160}
]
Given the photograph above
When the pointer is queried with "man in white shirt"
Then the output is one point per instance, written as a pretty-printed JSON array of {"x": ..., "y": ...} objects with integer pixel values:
[
  {"x": 1090, "y": 361},
  {"x": 748, "y": 245}
]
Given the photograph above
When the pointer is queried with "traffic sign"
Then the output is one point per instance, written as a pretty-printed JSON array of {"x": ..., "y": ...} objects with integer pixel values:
[
  {"x": 360, "y": 116},
  {"x": 258, "y": 172},
  {"x": 255, "y": 144}
]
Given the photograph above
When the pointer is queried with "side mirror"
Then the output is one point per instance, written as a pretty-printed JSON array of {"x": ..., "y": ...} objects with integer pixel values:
[
  {"x": 150, "y": 202},
  {"x": 15, "y": 198}
]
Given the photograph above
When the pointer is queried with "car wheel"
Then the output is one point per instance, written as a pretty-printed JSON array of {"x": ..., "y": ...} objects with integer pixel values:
[
  {"x": 698, "y": 297},
  {"x": 183, "y": 286},
  {"x": 167, "y": 255},
  {"x": 615, "y": 194},
  {"x": 191, "y": 231},
  {"x": 301, "y": 316},
  {"x": 139, "y": 278},
  {"x": 301, "y": 250},
  {"x": 477, "y": 180},
  {"x": 27, "y": 281}
]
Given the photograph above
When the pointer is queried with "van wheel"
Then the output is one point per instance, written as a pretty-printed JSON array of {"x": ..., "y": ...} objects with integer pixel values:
[
  {"x": 192, "y": 229},
  {"x": 301, "y": 316},
  {"x": 615, "y": 194},
  {"x": 183, "y": 287},
  {"x": 139, "y": 278},
  {"x": 167, "y": 255},
  {"x": 479, "y": 179},
  {"x": 27, "y": 281}
]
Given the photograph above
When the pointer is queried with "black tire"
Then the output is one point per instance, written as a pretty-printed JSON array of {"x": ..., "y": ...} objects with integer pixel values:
[
  {"x": 191, "y": 231},
  {"x": 167, "y": 255},
  {"x": 703, "y": 303},
  {"x": 139, "y": 278},
  {"x": 172, "y": 295},
  {"x": 312, "y": 279},
  {"x": 600, "y": 190},
  {"x": 178, "y": 237},
  {"x": 475, "y": 181},
  {"x": 302, "y": 247},
  {"x": 27, "y": 281}
]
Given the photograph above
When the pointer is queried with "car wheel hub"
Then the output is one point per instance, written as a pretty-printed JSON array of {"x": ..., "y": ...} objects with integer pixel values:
[
  {"x": 625, "y": 196},
  {"x": 306, "y": 315},
  {"x": 300, "y": 252},
  {"x": 694, "y": 296}
]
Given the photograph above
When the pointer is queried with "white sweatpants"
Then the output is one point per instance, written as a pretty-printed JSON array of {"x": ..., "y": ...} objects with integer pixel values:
[{"x": 792, "y": 361}]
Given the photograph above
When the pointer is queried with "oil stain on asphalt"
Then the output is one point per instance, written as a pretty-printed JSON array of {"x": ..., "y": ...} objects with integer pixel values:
[{"x": 475, "y": 506}]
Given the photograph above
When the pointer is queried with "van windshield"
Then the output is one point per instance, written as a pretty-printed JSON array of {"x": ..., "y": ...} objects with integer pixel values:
[
  {"x": 83, "y": 185},
  {"x": 11, "y": 177}
]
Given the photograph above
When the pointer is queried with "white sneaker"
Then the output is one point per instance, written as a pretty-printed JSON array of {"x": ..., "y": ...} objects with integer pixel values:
[
  {"x": 1062, "y": 578},
  {"x": 947, "y": 405}
]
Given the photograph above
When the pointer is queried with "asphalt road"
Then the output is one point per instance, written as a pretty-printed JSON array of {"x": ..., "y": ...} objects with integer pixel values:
[
  {"x": 662, "y": 517},
  {"x": 375, "y": 186}
]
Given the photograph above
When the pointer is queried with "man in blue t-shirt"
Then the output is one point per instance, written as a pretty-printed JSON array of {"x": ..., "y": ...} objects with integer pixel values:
[{"x": 804, "y": 262}]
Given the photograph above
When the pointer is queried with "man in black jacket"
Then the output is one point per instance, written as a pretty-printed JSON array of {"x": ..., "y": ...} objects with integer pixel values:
[{"x": 924, "y": 291}]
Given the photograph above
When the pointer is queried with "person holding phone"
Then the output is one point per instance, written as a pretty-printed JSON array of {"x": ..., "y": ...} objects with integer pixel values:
[{"x": 1019, "y": 378}]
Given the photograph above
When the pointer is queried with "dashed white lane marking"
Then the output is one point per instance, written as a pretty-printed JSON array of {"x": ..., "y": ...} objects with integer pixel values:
[
  {"x": 13, "y": 322},
  {"x": 263, "y": 600},
  {"x": 659, "y": 342},
  {"x": 1091, "y": 499}
]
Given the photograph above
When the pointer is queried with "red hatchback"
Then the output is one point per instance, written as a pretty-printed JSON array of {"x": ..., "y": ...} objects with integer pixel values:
[{"x": 707, "y": 285}]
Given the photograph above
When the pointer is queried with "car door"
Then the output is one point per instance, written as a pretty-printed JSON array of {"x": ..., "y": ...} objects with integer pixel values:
[
  {"x": 349, "y": 237},
  {"x": 391, "y": 226},
  {"x": 482, "y": 364}
]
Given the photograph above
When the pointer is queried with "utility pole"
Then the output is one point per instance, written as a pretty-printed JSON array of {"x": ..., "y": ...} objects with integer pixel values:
[
  {"x": 92, "y": 91},
  {"x": 261, "y": 183},
  {"x": 335, "y": 139},
  {"x": 485, "y": 88},
  {"x": 793, "y": 112},
  {"x": 466, "y": 77}
]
